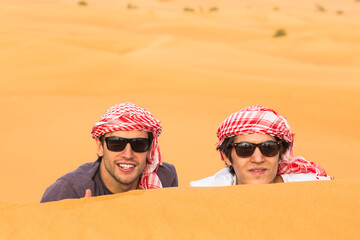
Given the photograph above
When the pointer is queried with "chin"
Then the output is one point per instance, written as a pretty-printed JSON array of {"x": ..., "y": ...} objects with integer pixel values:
[{"x": 259, "y": 181}]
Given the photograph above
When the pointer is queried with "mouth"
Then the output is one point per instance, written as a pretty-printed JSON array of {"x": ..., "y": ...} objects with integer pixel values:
[
  {"x": 126, "y": 166},
  {"x": 257, "y": 171}
]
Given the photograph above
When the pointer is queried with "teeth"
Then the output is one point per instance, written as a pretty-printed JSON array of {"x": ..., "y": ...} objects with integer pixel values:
[{"x": 126, "y": 166}]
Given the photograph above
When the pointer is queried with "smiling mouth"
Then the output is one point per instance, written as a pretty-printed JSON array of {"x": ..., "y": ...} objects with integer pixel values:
[
  {"x": 125, "y": 166},
  {"x": 257, "y": 171}
]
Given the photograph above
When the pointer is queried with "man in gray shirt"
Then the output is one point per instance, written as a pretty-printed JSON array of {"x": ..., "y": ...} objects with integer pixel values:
[{"x": 128, "y": 158}]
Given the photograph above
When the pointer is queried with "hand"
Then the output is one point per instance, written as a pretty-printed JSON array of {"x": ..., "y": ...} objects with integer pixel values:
[{"x": 88, "y": 193}]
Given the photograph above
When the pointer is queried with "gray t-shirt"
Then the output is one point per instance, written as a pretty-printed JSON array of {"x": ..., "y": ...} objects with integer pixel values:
[
  {"x": 87, "y": 176},
  {"x": 100, "y": 188}
]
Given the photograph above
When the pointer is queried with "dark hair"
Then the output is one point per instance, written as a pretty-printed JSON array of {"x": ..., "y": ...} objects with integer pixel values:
[
  {"x": 226, "y": 149},
  {"x": 101, "y": 139}
]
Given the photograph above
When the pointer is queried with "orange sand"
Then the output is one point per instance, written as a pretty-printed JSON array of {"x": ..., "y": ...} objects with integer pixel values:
[
  {"x": 317, "y": 210},
  {"x": 63, "y": 65}
]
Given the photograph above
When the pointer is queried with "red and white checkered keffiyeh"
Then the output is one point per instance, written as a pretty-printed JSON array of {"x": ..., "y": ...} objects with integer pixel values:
[
  {"x": 126, "y": 117},
  {"x": 257, "y": 119}
]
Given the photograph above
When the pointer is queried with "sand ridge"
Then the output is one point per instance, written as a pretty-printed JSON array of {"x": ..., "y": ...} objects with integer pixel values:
[{"x": 277, "y": 211}]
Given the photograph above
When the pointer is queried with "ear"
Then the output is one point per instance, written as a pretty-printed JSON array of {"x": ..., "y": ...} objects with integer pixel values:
[
  {"x": 225, "y": 159},
  {"x": 99, "y": 147}
]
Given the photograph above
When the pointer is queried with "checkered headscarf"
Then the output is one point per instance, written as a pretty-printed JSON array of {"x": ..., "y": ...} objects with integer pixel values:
[
  {"x": 126, "y": 117},
  {"x": 257, "y": 119}
]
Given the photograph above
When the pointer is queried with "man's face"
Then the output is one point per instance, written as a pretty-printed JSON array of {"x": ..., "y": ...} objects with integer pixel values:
[
  {"x": 256, "y": 169},
  {"x": 121, "y": 171}
]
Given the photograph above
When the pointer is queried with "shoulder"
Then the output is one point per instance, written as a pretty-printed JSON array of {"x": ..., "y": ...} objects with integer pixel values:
[
  {"x": 72, "y": 184},
  {"x": 300, "y": 177},
  {"x": 219, "y": 179},
  {"x": 167, "y": 167},
  {"x": 61, "y": 189},
  {"x": 167, "y": 174},
  {"x": 83, "y": 173}
]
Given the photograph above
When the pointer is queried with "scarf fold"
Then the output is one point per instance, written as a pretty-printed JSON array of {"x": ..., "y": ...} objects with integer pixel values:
[
  {"x": 262, "y": 120},
  {"x": 127, "y": 117}
]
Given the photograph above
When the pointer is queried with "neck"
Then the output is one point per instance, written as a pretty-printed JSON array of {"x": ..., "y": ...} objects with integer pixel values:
[{"x": 278, "y": 179}]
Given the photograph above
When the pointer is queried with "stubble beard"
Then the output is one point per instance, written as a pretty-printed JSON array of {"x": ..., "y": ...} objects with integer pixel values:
[{"x": 111, "y": 171}]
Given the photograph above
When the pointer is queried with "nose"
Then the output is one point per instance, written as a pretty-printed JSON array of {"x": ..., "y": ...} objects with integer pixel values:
[
  {"x": 127, "y": 153},
  {"x": 257, "y": 156}
]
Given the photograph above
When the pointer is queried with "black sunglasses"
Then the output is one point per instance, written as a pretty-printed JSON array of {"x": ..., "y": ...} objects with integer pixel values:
[
  {"x": 118, "y": 144},
  {"x": 247, "y": 149}
]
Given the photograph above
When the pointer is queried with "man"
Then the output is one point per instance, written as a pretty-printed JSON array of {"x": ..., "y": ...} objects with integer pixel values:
[
  {"x": 257, "y": 146},
  {"x": 128, "y": 158}
]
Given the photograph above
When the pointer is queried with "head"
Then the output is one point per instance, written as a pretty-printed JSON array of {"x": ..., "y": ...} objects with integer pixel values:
[
  {"x": 269, "y": 132},
  {"x": 256, "y": 168},
  {"x": 127, "y": 147},
  {"x": 101, "y": 141}
]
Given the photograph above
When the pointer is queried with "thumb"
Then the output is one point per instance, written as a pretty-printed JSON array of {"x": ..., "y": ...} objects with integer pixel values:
[{"x": 88, "y": 193}]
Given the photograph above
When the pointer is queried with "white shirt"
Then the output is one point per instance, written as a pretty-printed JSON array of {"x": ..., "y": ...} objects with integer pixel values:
[{"x": 225, "y": 178}]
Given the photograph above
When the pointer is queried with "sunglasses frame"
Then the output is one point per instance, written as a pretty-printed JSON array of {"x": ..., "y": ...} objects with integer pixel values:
[
  {"x": 257, "y": 145},
  {"x": 130, "y": 141}
]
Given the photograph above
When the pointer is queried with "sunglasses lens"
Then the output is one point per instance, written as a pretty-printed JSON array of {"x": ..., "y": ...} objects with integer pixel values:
[
  {"x": 269, "y": 149},
  {"x": 116, "y": 144},
  {"x": 140, "y": 144},
  {"x": 244, "y": 149}
]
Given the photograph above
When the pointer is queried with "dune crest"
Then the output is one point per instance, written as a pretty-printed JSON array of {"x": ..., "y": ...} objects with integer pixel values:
[{"x": 306, "y": 210}]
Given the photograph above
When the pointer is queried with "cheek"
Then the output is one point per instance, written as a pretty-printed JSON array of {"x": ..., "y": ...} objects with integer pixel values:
[
  {"x": 275, "y": 162},
  {"x": 239, "y": 164},
  {"x": 142, "y": 157},
  {"x": 110, "y": 156}
]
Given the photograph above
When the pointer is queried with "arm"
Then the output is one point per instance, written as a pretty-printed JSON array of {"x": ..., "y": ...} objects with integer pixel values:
[
  {"x": 61, "y": 189},
  {"x": 175, "y": 182},
  {"x": 167, "y": 174}
]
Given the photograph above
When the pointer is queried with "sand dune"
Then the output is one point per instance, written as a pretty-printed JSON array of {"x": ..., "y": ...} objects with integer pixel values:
[
  {"x": 63, "y": 65},
  {"x": 317, "y": 210}
]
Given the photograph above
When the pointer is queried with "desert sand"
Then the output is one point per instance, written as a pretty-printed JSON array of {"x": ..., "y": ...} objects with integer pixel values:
[
  {"x": 324, "y": 210},
  {"x": 64, "y": 64}
]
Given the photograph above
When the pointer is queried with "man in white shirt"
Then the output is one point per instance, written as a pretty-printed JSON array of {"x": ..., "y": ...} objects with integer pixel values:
[{"x": 257, "y": 145}]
